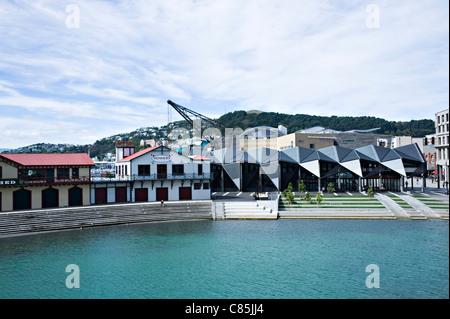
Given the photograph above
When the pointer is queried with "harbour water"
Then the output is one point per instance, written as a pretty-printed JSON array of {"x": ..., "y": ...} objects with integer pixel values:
[{"x": 281, "y": 259}]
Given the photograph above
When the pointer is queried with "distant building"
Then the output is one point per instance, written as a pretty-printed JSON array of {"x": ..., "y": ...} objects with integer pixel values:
[
  {"x": 429, "y": 152},
  {"x": 31, "y": 181},
  {"x": 442, "y": 144},
  {"x": 260, "y": 136},
  {"x": 316, "y": 137},
  {"x": 307, "y": 140},
  {"x": 398, "y": 141},
  {"x": 144, "y": 143}
]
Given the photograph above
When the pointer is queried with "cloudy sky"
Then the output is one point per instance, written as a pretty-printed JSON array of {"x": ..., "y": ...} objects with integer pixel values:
[{"x": 76, "y": 71}]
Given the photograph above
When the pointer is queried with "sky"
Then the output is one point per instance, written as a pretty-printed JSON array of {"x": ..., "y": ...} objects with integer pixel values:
[{"x": 77, "y": 71}]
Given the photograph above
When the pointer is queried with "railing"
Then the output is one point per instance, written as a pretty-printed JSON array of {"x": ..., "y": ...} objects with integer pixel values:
[
  {"x": 39, "y": 180},
  {"x": 151, "y": 177}
]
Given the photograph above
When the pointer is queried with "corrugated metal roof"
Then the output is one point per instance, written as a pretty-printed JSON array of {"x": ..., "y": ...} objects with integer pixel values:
[{"x": 58, "y": 159}]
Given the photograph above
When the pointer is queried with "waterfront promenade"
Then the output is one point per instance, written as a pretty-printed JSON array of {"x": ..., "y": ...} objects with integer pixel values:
[
  {"x": 412, "y": 204},
  {"x": 17, "y": 222}
]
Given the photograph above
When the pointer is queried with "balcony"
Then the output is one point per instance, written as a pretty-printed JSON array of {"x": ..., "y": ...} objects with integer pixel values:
[
  {"x": 152, "y": 177},
  {"x": 48, "y": 181}
]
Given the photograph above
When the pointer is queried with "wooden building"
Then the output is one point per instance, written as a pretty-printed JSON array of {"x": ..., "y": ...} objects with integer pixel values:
[{"x": 31, "y": 181}]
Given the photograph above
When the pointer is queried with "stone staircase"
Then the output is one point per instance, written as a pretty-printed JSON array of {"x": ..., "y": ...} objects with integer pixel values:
[
  {"x": 247, "y": 210},
  {"x": 100, "y": 215}
]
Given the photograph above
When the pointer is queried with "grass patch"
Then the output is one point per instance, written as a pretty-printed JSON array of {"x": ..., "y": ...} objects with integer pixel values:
[
  {"x": 399, "y": 201},
  {"x": 335, "y": 202}
]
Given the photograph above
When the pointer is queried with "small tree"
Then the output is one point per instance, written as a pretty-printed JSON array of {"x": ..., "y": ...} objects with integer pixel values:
[
  {"x": 330, "y": 188},
  {"x": 290, "y": 187},
  {"x": 370, "y": 192},
  {"x": 301, "y": 187},
  {"x": 307, "y": 197},
  {"x": 290, "y": 197},
  {"x": 319, "y": 198}
]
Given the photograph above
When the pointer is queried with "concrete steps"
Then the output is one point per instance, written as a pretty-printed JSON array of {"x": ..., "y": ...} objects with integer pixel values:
[
  {"x": 57, "y": 218},
  {"x": 247, "y": 210}
]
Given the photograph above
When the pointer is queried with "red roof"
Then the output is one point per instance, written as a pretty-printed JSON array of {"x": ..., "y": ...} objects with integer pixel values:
[
  {"x": 200, "y": 158},
  {"x": 58, "y": 159},
  {"x": 139, "y": 153}
]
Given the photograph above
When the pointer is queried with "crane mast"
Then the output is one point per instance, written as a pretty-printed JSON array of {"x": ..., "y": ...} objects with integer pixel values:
[{"x": 185, "y": 113}]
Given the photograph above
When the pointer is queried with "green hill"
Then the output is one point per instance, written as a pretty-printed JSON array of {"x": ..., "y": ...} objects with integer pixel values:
[{"x": 243, "y": 119}]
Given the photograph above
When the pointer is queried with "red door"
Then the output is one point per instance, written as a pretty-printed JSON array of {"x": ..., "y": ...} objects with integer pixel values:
[
  {"x": 141, "y": 194},
  {"x": 121, "y": 194},
  {"x": 162, "y": 193},
  {"x": 185, "y": 193},
  {"x": 100, "y": 195}
]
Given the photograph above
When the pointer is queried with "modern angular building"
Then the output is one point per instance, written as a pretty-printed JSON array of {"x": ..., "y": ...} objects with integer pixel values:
[{"x": 265, "y": 169}]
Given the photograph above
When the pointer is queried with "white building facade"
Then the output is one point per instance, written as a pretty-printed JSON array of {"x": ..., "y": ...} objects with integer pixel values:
[
  {"x": 155, "y": 174},
  {"x": 442, "y": 145}
]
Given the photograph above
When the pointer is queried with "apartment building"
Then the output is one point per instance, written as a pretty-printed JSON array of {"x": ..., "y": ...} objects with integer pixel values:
[{"x": 442, "y": 144}]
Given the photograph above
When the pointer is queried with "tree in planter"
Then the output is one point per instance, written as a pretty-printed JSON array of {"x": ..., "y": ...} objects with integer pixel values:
[
  {"x": 290, "y": 188},
  {"x": 290, "y": 197},
  {"x": 370, "y": 192},
  {"x": 319, "y": 198},
  {"x": 307, "y": 197},
  {"x": 330, "y": 188},
  {"x": 301, "y": 187}
]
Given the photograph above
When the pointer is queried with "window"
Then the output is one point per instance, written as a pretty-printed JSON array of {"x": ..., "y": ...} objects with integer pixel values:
[
  {"x": 200, "y": 169},
  {"x": 75, "y": 172},
  {"x": 144, "y": 170},
  {"x": 197, "y": 185},
  {"x": 312, "y": 146},
  {"x": 205, "y": 185},
  {"x": 1, "y": 173},
  {"x": 62, "y": 172},
  {"x": 177, "y": 169}
]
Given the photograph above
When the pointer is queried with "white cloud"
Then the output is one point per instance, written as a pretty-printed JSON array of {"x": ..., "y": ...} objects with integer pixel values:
[{"x": 129, "y": 57}]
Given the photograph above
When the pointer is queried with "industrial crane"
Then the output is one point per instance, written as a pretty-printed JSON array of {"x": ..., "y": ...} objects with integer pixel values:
[
  {"x": 184, "y": 112},
  {"x": 215, "y": 141}
]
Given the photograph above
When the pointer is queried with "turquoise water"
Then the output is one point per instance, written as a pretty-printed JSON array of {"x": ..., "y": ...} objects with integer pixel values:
[{"x": 282, "y": 259}]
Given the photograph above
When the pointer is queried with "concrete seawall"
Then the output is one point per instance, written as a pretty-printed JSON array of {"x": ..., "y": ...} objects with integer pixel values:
[
  {"x": 16, "y": 222},
  {"x": 20, "y": 222}
]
